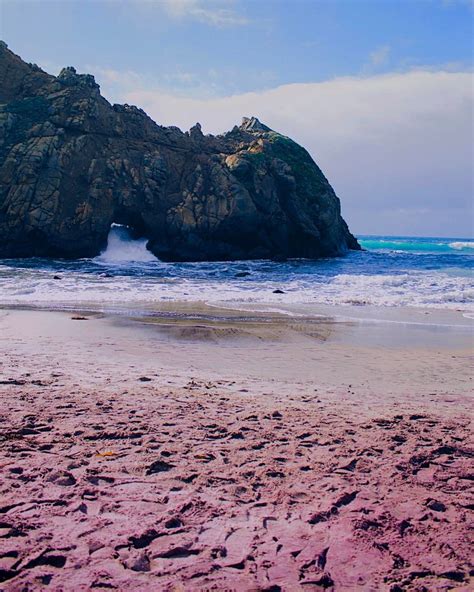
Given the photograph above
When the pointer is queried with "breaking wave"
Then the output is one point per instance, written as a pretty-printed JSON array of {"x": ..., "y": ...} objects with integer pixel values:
[
  {"x": 462, "y": 245},
  {"x": 122, "y": 247},
  {"x": 429, "y": 273},
  {"x": 414, "y": 245}
]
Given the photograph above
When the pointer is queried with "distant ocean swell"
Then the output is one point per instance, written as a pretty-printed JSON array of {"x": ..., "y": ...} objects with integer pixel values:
[
  {"x": 391, "y": 271},
  {"x": 416, "y": 246}
]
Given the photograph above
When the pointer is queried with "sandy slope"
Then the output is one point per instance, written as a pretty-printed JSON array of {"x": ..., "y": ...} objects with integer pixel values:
[{"x": 145, "y": 459}]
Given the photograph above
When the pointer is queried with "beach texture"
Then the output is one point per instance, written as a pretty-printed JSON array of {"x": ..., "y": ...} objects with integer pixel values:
[{"x": 127, "y": 477}]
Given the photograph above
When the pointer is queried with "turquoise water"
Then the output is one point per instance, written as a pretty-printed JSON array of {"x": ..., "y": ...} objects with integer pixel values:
[
  {"x": 416, "y": 244},
  {"x": 390, "y": 271}
]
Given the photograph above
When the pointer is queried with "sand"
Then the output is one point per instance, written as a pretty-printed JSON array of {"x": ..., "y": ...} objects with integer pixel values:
[{"x": 263, "y": 452}]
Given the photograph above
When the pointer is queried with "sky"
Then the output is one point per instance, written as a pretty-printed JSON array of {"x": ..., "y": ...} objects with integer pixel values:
[{"x": 379, "y": 91}]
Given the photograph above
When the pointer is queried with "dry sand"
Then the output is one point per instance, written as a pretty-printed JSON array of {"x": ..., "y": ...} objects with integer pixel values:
[{"x": 268, "y": 454}]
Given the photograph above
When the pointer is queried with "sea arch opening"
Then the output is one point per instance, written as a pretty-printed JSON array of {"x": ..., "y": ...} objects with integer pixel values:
[{"x": 127, "y": 240}]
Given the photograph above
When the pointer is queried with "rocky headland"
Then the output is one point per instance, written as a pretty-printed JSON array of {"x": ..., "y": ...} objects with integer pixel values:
[{"x": 72, "y": 164}]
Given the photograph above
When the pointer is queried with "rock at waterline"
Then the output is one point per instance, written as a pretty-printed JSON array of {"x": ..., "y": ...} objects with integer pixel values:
[{"x": 72, "y": 165}]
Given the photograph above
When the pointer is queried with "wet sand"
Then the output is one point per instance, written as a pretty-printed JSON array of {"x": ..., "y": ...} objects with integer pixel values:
[{"x": 229, "y": 453}]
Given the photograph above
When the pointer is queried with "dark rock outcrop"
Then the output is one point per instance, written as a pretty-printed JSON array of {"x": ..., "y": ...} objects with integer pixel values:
[{"x": 71, "y": 164}]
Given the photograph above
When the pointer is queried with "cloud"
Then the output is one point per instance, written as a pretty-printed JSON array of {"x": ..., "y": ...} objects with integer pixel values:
[
  {"x": 449, "y": 3},
  {"x": 379, "y": 57},
  {"x": 397, "y": 147},
  {"x": 123, "y": 78},
  {"x": 217, "y": 13}
]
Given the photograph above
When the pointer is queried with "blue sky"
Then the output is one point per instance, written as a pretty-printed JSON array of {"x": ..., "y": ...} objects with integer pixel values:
[
  {"x": 241, "y": 46},
  {"x": 344, "y": 77}
]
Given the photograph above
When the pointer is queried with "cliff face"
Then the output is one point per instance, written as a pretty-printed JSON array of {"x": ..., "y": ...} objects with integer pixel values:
[{"x": 71, "y": 164}]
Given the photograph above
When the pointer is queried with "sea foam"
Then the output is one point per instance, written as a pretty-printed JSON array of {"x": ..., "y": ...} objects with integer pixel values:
[
  {"x": 462, "y": 245},
  {"x": 127, "y": 275},
  {"x": 122, "y": 248}
]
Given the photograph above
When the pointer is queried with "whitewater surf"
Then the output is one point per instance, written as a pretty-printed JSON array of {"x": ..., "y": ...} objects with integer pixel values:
[
  {"x": 390, "y": 272},
  {"x": 123, "y": 248}
]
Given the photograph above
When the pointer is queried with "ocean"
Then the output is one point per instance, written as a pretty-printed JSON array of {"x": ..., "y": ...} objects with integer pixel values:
[{"x": 390, "y": 272}]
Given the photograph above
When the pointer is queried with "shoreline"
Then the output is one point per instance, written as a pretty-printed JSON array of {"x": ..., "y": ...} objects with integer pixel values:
[
  {"x": 357, "y": 326},
  {"x": 409, "y": 315},
  {"x": 262, "y": 454},
  {"x": 265, "y": 348}
]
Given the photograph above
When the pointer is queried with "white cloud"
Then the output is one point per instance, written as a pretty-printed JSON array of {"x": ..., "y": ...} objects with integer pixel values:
[
  {"x": 397, "y": 147},
  {"x": 108, "y": 76},
  {"x": 449, "y": 3},
  {"x": 379, "y": 57},
  {"x": 218, "y": 13}
]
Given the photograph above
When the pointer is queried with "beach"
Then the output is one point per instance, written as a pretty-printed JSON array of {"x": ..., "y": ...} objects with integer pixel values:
[
  {"x": 215, "y": 448},
  {"x": 236, "y": 296}
]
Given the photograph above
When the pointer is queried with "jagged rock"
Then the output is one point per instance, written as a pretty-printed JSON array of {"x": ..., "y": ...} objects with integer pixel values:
[
  {"x": 69, "y": 77},
  {"x": 71, "y": 165},
  {"x": 252, "y": 124}
]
